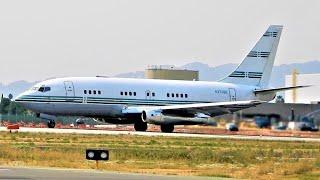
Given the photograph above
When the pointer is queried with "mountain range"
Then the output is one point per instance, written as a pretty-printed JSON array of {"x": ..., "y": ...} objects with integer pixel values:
[{"x": 206, "y": 73}]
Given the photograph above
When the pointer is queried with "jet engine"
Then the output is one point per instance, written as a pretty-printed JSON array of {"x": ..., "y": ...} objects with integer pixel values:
[
  {"x": 158, "y": 117},
  {"x": 155, "y": 117}
]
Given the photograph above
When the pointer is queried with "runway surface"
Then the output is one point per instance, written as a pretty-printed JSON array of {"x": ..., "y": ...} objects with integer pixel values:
[
  {"x": 84, "y": 131},
  {"x": 67, "y": 174}
]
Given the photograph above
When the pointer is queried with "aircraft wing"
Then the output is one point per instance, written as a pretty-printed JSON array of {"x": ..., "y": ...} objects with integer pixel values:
[{"x": 210, "y": 109}]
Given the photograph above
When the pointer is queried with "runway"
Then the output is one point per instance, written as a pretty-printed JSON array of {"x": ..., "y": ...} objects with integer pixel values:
[
  {"x": 67, "y": 174},
  {"x": 240, "y": 137}
]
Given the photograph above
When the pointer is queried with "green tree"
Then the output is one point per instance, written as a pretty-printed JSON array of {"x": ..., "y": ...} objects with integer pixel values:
[
  {"x": 11, "y": 107},
  {"x": 4, "y": 106}
]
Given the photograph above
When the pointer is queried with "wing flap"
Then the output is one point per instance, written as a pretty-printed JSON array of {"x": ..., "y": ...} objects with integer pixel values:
[{"x": 211, "y": 109}]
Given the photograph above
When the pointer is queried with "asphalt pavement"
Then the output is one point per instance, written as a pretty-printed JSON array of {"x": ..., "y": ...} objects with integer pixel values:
[
  {"x": 10, "y": 173},
  {"x": 108, "y": 132}
]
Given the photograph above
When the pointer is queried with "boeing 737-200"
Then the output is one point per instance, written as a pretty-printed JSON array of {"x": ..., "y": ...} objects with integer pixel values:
[{"x": 161, "y": 102}]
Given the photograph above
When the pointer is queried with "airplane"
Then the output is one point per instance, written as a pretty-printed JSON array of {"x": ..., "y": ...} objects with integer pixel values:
[{"x": 161, "y": 102}]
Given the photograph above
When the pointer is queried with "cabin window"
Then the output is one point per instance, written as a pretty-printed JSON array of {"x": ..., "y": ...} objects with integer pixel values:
[
  {"x": 172, "y": 95},
  {"x": 130, "y": 93},
  {"x": 148, "y": 94},
  {"x": 177, "y": 95},
  {"x": 186, "y": 95},
  {"x": 94, "y": 92},
  {"x": 126, "y": 93},
  {"x": 153, "y": 94},
  {"x": 90, "y": 92},
  {"x": 168, "y": 95},
  {"x": 99, "y": 92},
  {"x": 121, "y": 93},
  {"x": 181, "y": 95},
  {"x": 85, "y": 91},
  {"x": 134, "y": 93}
]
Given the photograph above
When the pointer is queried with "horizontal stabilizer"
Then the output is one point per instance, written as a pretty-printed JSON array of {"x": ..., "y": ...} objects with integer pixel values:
[{"x": 274, "y": 90}]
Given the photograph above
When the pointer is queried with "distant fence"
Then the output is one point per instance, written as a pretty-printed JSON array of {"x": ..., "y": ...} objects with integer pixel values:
[
  {"x": 65, "y": 120},
  {"x": 19, "y": 118}
]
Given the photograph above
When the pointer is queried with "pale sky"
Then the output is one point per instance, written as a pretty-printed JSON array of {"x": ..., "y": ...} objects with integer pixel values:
[{"x": 40, "y": 39}]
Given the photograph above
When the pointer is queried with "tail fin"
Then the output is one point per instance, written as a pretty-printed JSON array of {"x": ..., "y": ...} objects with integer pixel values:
[{"x": 256, "y": 68}]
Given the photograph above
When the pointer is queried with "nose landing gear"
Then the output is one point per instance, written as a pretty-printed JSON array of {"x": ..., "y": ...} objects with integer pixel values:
[{"x": 51, "y": 124}]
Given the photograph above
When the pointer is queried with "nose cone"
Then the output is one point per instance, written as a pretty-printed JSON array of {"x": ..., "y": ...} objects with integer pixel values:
[
  {"x": 24, "y": 100},
  {"x": 20, "y": 97}
]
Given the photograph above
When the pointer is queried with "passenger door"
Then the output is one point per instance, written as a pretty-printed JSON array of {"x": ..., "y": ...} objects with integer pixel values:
[{"x": 68, "y": 85}]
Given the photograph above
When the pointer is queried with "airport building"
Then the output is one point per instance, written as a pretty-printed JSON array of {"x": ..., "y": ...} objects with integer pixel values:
[
  {"x": 171, "y": 73},
  {"x": 309, "y": 95}
]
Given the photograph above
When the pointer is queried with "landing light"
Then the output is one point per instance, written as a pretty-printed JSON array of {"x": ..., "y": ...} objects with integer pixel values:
[
  {"x": 91, "y": 154},
  {"x": 97, "y": 155},
  {"x": 103, "y": 155}
]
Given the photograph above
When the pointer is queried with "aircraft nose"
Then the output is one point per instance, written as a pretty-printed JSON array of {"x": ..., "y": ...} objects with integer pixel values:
[{"x": 20, "y": 97}]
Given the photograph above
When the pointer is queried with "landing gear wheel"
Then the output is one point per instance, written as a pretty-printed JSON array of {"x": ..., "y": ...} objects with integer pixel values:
[
  {"x": 167, "y": 128},
  {"x": 140, "y": 126},
  {"x": 51, "y": 124}
]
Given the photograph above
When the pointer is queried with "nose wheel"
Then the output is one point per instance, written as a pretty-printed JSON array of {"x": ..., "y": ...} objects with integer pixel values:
[{"x": 51, "y": 124}]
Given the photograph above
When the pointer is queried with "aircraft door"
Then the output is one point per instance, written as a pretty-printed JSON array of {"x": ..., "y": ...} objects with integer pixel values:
[
  {"x": 232, "y": 94},
  {"x": 68, "y": 85}
]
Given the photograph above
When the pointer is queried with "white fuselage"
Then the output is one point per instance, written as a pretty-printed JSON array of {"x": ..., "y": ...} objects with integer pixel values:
[
  {"x": 106, "y": 97},
  {"x": 163, "y": 102}
]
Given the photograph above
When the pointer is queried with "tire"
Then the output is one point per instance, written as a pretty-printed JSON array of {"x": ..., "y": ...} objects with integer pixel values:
[
  {"x": 140, "y": 126},
  {"x": 234, "y": 129},
  {"x": 167, "y": 128},
  {"x": 51, "y": 124}
]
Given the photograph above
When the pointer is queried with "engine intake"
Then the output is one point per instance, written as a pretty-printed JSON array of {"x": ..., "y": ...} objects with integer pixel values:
[{"x": 151, "y": 116}]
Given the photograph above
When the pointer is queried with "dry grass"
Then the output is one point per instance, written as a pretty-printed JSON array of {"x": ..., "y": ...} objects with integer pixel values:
[{"x": 166, "y": 155}]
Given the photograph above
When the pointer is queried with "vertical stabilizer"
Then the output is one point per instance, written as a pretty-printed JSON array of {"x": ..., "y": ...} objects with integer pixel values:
[{"x": 256, "y": 68}]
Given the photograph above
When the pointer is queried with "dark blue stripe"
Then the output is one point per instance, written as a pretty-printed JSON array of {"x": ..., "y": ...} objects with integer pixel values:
[{"x": 108, "y": 99}]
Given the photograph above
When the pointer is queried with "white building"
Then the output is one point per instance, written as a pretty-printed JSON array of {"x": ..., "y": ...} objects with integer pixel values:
[{"x": 309, "y": 95}]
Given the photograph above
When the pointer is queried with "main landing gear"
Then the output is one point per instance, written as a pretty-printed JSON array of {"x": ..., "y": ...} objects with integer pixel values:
[
  {"x": 143, "y": 126},
  {"x": 140, "y": 126},
  {"x": 167, "y": 128},
  {"x": 51, "y": 124}
]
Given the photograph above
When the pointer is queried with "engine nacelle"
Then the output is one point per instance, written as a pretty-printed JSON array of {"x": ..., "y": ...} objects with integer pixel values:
[
  {"x": 152, "y": 117},
  {"x": 157, "y": 117}
]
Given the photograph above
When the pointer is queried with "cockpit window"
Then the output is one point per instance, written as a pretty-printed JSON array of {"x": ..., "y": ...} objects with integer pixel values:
[
  {"x": 44, "y": 89},
  {"x": 41, "y": 89}
]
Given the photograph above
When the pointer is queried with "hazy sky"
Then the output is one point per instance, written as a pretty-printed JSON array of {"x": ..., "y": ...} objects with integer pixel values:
[{"x": 42, "y": 39}]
